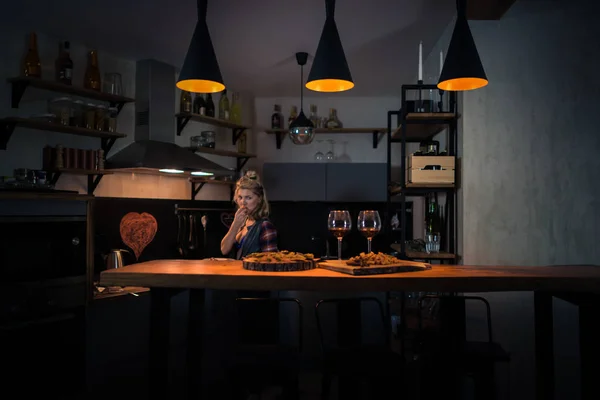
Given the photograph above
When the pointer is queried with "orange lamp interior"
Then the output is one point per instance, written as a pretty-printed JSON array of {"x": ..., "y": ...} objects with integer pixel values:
[
  {"x": 329, "y": 85},
  {"x": 460, "y": 84},
  {"x": 200, "y": 86}
]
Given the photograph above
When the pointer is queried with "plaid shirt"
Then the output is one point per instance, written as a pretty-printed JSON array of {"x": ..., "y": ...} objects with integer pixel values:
[{"x": 268, "y": 237}]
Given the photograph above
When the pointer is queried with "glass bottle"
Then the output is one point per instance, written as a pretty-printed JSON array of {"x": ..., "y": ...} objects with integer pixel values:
[
  {"x": 92, "y": 78},
  {"x": 31, "y": 64},
  {"x": 313, "y": 116},
  {"x": 224, "y": 106},
  {"x": 242, "y": 142},
  {"x": 210, "y": 106},
  {"x": 293, "y": 115},
  {"x": 64, "y": 65},
  {"x": 199, "y": 104},
  {"x": 185, "y": 102},
  {"x": 333, "y": 122},
  {"x": 276, "y": 118}
]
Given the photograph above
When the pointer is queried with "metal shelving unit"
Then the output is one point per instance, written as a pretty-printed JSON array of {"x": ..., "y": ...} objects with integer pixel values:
[{"x": 414, "y": 128}]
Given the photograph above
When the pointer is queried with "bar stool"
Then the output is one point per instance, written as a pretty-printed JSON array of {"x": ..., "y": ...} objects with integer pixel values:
[
  {"x": 376, "y": 363},
  {"x": 259, "y": 361},
  {"x": 473, "y": 358}
]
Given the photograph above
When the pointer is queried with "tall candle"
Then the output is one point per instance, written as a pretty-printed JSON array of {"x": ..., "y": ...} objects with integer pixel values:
[
  {"x": 441, "y": 61},
  {"x": 420, "y": 61}
]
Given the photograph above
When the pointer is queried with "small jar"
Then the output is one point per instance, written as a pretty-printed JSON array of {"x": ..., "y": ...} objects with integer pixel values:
[
  {"x": 209, "y": 138},
  {"x": 111, "y": 119},
  {"x": 78, "y": 114},
  {"x": 61, "y": 108},
  {"x": 90, "y": 116},
  {"x": 100, "y": 122}
]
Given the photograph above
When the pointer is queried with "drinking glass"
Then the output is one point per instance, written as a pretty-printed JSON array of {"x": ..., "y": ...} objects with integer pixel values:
[
  {"x": 432, "y": 243},
  {"x": 113, "y": 83},
  {"x": 339, "y": 224},
  {"x": 369, "y": 224}
]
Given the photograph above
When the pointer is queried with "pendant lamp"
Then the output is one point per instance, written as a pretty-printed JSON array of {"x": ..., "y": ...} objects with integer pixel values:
[
  {"x": 462, "y": 68},
  {"x": 200, "y": 72},
  {"x": 330, "y": 72},
  {"x": 301, "y": 129}
]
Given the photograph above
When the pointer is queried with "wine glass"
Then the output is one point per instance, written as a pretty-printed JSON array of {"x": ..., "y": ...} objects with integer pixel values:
[
  {"x": 330, "y": 156},
  {"x": 339, "y": 224},
  {"x": 319, "y": 156},
  {"x": 369, "y": 224}
]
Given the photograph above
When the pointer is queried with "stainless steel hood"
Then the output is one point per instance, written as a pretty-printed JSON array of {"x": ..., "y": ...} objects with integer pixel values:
[{"x": 154, "y": 147}]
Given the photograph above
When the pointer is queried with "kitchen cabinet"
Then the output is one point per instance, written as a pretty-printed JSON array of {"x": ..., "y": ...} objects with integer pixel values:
[
  {"x": 356, "y": 182},
  {"x": 295, "y": 181},
  {"x": 325, "y": 181}
]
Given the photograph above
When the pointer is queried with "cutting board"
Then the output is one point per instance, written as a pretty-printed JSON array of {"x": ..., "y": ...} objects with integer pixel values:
[{"x": 401, "y": 266}]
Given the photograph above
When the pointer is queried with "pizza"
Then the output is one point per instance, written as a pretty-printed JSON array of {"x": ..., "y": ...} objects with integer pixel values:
[
  {"x": 279, "y": 257},
  {"x": 368, "y": 259}
]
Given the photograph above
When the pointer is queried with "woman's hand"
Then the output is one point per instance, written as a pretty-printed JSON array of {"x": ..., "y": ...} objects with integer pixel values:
[{"x": 240, "y": 218}]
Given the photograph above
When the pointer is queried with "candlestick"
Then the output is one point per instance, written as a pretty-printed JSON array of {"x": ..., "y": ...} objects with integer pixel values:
[{"x": 421, "y": 61}]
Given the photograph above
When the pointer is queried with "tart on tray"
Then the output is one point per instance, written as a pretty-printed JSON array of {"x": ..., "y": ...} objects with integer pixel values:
[{"x": 280, "y": 261}]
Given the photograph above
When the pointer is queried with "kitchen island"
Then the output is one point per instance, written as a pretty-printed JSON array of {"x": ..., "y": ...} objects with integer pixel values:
[{"x": 578, "y": 284}]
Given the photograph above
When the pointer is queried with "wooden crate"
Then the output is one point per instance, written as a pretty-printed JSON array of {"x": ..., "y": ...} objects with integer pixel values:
[{"x": 415, "y": 172}]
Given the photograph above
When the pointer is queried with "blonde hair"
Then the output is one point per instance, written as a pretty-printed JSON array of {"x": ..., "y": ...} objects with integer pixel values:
[{"x": 252, "y": 183}]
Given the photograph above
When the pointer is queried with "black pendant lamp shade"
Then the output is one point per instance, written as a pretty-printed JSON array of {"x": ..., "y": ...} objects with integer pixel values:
[
  {"x": 462, "y": 68},
  {"x": 200, "y": 72},
  {"x": 330, "y": 72},
  {"x": 302, "y": 128}
]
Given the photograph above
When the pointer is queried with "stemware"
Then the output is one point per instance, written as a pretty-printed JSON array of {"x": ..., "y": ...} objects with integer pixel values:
[
  {"x": 319, "y": 156},
  {"x": 339, "y": 224},
  {"x": 369, "y": 224},
  {"x": 330, "y": 156}
]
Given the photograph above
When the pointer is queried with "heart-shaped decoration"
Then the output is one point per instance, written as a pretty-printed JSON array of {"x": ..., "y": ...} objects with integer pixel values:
[
  {"x": 137, "y": 231},
  {"x": 227, "y": 218}
]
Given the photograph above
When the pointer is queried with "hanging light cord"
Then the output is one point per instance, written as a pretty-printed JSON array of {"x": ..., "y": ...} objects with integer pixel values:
[{"x": 301, "y": 87}]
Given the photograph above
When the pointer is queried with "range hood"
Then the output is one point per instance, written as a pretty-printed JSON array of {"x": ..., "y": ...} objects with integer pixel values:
[{"x": 154, "y": 149}]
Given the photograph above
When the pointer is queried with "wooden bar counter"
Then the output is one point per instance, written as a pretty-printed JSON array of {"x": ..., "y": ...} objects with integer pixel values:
[{"x": 578, "y": 284}]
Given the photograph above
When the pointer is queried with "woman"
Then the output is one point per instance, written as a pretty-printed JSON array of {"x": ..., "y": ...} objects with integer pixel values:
[{"x": 251, "y": 230}]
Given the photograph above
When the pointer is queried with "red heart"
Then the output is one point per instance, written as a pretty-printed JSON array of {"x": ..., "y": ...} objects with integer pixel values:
[{"x": 138, "y": 231}]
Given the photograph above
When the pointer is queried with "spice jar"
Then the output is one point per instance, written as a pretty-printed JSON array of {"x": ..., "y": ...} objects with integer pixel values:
[
  {"x": 77, "y": 114},
  {"x": 90, "y": 116},
  {"x": 209, "y": 139},
  {"x": 111, "y": 119},
  {"x": 100, "y": 122},
  {"x": 61, "y": 108}
]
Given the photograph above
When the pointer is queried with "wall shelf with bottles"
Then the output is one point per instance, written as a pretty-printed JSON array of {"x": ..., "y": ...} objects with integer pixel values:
[
  {"x": 198, "y": 183},
  {"x": 184, "y": 118},
  {"x": 423, "y": 126},
  {"x": 20, "y": 84},
  {"x": 421, "y": 255},
  {"x": 242, "y": 158},
  {"x": 93, "y": 176},
  {"x": 8, "y": 125},
  {"x": 377, "y": 133}
]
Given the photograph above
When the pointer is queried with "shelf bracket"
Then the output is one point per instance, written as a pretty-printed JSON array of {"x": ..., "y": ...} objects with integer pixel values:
[
  {"x": 93, "y": 181},
  {"x": 107, "y": 144},
  {"x": 278, "y": 139},
  {"x": 377, "y": 136},
  {"x": 235, "y": 134},
  {"x": 18, "y": 89},
  {"x": 119, "y": 105},
  {"x": 241, "y": 161},
  {"x": 54, "y": 178},
  {"x": 196, "y": 188},
  {"x": 6, "y": 130},
  {"x": 181, "y": 123}
]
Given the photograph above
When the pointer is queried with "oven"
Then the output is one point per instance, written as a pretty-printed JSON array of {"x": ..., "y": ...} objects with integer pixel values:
[{"x": 43, "y": 292}]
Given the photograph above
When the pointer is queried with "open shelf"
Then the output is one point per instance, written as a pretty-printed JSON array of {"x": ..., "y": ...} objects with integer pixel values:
[
  {"x": 19, "y": 84},
  {"x": 421, "y": 255},
  {"x": 376, "y": 132},
  {"x": 93, "y": 176},
  {"x": 8, "y": 125},
  {"x": 184, "y": 118},
  {"x": 198, "y": 183},
  {"x": 132, "y": 290},
  {"x": 224, "y": 153},
  {"x": 423, "y": 126}
]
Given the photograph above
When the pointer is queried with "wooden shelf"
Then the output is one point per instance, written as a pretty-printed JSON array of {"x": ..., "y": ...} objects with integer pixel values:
[
  {"x": 7, "y": 126},
  {"x": 224, "y": 153},
  {"x": 21, "y": 83},
  {"x": 442, "y": 255},
  {"x": 430, "y": 185},
  {"x": 184, "y": 118},
  {"x": 423, "y": 126},
  {"x": 215, "y": 181},
  {"x": 94, "y": 176},
  {"x": 377, "y": 133},
  {"x": 132, "y": 290},
  {"x": 420, "y": 188},
  {"x": 44, "y": 195}
]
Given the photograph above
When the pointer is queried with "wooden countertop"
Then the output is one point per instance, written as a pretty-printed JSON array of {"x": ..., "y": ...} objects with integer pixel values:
[{"x": 212, "y": 274}]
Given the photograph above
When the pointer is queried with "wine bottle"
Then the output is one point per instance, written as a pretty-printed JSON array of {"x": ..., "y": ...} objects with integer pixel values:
[
  {"x": 64, "y": 65},
  {"x": 185, "y": 102},
  {"x": 276, "y": 119},
  {"x": 31, "y": 64},
  {"x": 210, "y": 106},
  {"x": 92, "y": 79},
  {"x": 224, "y": 106}
]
